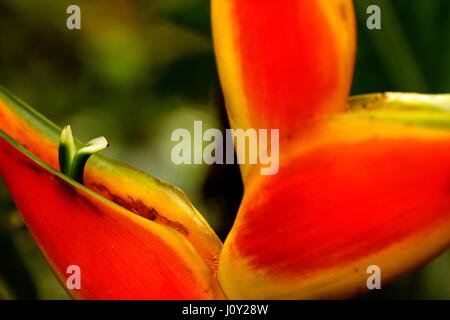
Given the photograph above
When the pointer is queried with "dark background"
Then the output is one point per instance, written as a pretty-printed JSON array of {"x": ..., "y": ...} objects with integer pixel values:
[{"x": 139, "y": 69}]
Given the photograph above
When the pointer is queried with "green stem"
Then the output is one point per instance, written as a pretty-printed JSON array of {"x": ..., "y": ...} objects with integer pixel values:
[
  {"x": 66, "y": 150},
  {"x": 82, "y": 156},
  {"x": 71, "y": 162}
]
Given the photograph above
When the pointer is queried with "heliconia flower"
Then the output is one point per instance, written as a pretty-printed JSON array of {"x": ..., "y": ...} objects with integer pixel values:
[
  {"x": 144, "y": 195},
  {"x": 120, "y": 255},
  {"x": 365, "y": 188},
  {"x": 362, "y": 181},
  {"x": 134, "y": 237},
  {"x": 282, "y": 63},
  {"x": 354, "y": 189}
]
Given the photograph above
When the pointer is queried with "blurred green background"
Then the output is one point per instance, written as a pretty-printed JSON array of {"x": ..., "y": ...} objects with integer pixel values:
[{"x": 139, "y": 69}]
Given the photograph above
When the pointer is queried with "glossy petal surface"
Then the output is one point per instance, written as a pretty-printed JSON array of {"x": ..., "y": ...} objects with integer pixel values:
[
  {"x": 120, "y": 255},
  {"x": 283, "y": 62},
  {"x": 144, "y": 195},
  {"x": 362, "y": 189}
]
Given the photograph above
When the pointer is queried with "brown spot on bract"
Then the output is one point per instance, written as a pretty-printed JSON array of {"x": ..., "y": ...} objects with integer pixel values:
[
  {"x": 343, "y": 10},
  {"x": 138, "y": 207}
]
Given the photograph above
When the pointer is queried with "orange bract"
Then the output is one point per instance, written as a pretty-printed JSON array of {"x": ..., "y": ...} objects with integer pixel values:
[
  {"x": 342, "y": 203},
  {"x": 283, "y": 62},
  {"x": 120, "y": 255},
  {"x": 144, "y": 195}
]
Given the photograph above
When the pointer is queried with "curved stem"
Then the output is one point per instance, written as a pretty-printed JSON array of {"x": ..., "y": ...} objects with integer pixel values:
[
  {"x": 71, "y": 162},
  {"x": 82, "y": 156}
]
